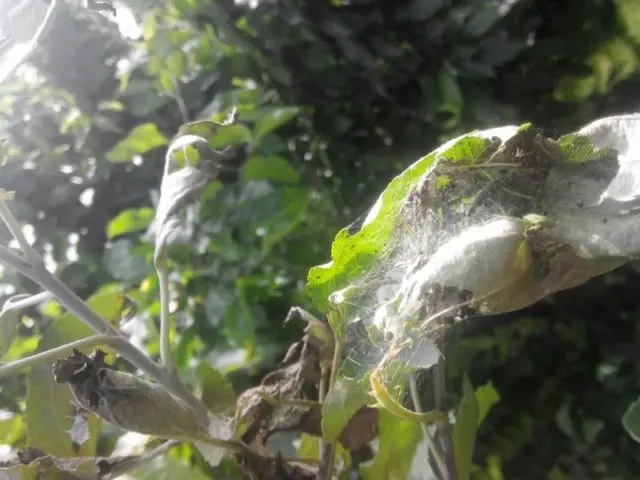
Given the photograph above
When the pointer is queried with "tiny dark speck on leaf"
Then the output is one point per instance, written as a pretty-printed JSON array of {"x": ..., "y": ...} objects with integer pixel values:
[{"x": 605, "y": 220}]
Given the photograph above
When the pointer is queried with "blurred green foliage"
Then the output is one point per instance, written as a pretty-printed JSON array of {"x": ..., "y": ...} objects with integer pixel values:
[{"x": 334, "y": 99}]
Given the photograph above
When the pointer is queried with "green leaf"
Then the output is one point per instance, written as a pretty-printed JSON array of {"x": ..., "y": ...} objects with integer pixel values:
[
  {"x": 487, "y": 396},
  {"x": 344, "y": 399},
  {"x": 239, "y": 319},
  {"x": 235, "y": 134},
  {"x": 217, "y": 134},
  {"x": 310, "y": 448},
  {"x": 217, "y": 393},
  {"x": 167, "y": 468},
  {"x": 580, "y": 149},
  {"x": 464, "y": 431},
  {"x": 629, "y": 15},
  {"x": 274, "y": 168},
  {"x": 128, "y": 221},
  {"x": 277, "y": 226},
  {"x": 273, "y": 119},
  {"x": 141, "y": 139},
  {"x": 398, "y": 442},
  {"x": 49, "y": 406},
  {"x": 11, "y": 428},
  {"x": 352, "y": 254},
  {"x": 631, "y": 420},
  {"x": 467, "y": 150},
  {"x": 571, "y": 88}
]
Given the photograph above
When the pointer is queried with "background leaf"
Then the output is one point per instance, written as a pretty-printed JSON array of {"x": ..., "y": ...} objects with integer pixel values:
[
  {"x": 217, "y": 393},
  {"x": 272, "y": 167},
  {"x": 464, "y": 431},
  {"x": 344, "y": 399},
  {"x": 398, "y": 442},
  {"x": 129, "y": 221},
  {"x": 140, "y": 140}
]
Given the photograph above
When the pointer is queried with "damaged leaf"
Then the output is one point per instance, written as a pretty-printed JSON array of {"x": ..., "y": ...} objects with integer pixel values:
[
  {"x": 191, "y": 163},
  {"x": 125, "y": 400},
  {"x": 49, "y": 407},
  {"x": 33, "y": 463}
]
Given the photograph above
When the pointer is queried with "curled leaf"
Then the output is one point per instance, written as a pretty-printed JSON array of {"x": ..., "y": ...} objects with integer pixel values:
[
  {"x": 190, "y": 164},
  {"x": 125, "y": 400}
]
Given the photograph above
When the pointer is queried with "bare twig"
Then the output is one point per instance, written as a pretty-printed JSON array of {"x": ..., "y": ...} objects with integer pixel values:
[{"x": 40, "y": 275}]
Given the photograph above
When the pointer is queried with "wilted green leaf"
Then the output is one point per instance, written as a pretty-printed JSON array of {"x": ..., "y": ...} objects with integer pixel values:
[
  {"x": 272, "y": 167},
  {"x": 140, "y": 140},
  {"x": 128, "y": 221},
  {"x": 344, "y": 399},
  {"x": 464, "y": 431},
  {"x": 631, "y": 420},
  {"x": 398, "y": 441},
  {"x": 274, "y": 118},
  {"x": 217, "y": 393},
  {"x": 49, "y": 406}
]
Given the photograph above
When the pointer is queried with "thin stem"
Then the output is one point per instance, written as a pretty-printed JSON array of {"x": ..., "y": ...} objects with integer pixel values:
[
  {"x": 431, "y": 443},
  {"x": 20, "y": 302},
  {"x": 75, "y": 305},
  {"x": 54, "y": 354},
  {"x": 322, "y": 393},
  {"x": 128, "y": 463},
  {"x": 327, "y": 461},
  {"x": 165, "y": 321},
  {"x": 444, "y": 433},
  {"x": 14, "y": 227}
]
